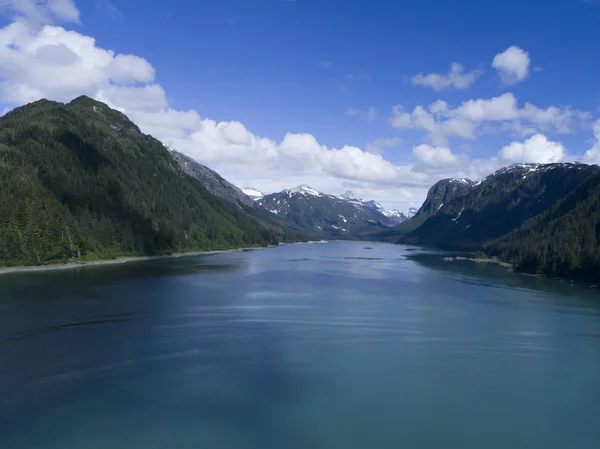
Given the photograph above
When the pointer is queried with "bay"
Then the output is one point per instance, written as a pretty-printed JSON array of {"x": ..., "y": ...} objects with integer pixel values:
[{"x": 338, "y": 345}]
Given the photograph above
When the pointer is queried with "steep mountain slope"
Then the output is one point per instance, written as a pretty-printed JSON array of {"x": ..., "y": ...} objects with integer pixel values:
[
  {"x": 212, "y": 181},
  {"x": 81, "y": 180},
  {"x": 309, "y": 210},
  {"x": 442, "y": 192},
  {"x": 562, "y": 241},
  {"x": 499, "y": 204}
]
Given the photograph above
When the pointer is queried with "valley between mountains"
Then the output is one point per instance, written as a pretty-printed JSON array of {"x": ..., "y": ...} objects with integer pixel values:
[{"x": 80, "y": 181}]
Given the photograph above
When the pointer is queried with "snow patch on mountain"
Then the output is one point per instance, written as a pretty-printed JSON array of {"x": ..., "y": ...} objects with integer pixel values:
[
  {"x": 253, "y": 193},
  {"x": 304, "y": 190}
]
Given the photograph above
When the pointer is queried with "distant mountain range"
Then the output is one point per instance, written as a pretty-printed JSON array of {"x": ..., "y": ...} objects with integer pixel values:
[{"x": 308, "y": 210}]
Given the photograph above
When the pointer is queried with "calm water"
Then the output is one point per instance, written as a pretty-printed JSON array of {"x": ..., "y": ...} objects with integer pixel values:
[{"x": 302, "y": 346}]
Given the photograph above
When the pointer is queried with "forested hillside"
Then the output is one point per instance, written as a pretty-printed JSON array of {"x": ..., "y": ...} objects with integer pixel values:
[
  {"x": 543, "y": 218},
  {"x": 499, "y": 204},
  {"x": 563, "y": 241},
  {"x": 81, "y": 181}
]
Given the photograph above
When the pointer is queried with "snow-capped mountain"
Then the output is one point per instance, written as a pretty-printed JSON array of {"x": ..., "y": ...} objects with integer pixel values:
[
  {"x": 395, "y": 214},
  {"x": 310, "y": 210}
]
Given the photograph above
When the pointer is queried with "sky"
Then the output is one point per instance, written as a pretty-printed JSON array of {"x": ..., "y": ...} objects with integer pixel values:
[{"x": 378, "y": 97}]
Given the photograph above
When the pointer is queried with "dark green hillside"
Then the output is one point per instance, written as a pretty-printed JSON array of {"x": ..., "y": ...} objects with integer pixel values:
[
  {"x": 499, "y": 204},
  {"x": 563, "y": 241},
  {"x": 81, "y": 180}
]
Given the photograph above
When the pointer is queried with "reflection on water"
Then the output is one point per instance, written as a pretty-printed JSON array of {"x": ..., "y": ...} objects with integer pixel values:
[
  {"x": 496, "y": 276},
  {"x": 302, "y": 346}
]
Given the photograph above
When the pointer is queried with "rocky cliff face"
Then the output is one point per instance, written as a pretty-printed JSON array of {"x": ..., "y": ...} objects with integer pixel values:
[
  {"x": 443, "y": 192},
  {"x": 212, "y": 181}
]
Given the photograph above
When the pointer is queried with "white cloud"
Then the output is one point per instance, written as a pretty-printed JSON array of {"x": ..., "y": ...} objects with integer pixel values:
[
  {"x": 456, "y": 78},
  {"x": 39, "y": 60},
  {"x": 441, "y": 121},
  {"x": 369, "y": 114},
  {"x": 535, "y": 149},
  {"x": 436, "y": 157},
  {"x": 43, "y": 12},
  {"x": 54, "y": 63},
  {"x": 51, "y": 62},
  {"x": 130, "y": 69},
  {"x": 592, "y": 156},
  {"x": 379, "y": 144},
  {"x": 512, "y": 64}
]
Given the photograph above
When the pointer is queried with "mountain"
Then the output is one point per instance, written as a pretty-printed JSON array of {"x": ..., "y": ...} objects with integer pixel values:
[
  {"x": 81, "y": 181},
  {"x": 308, "y": 210},
  {"x": 393, "y": 216},
  {"x": 562, "y": 241},
  {"x": 498, "y": 204},
  {"x": 442, "y": 192},
  {"x": 399, "y": 217},
  {"x": 542, "y": 218},
  {"x": 212, "y": 181}
]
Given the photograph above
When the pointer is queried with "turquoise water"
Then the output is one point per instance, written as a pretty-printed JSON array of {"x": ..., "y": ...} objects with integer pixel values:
[{"x": 301, "y": 346}]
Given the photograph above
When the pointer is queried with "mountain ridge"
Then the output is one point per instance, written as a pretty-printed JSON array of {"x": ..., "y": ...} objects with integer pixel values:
[
  {"x": 542, "y": 218},
  {"x": 80, "y": 181},
  {"x": 329, "y": 215}
]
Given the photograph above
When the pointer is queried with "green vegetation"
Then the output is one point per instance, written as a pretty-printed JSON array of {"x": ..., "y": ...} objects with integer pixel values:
[
  {"x": 499, "y": 205},
  {"x": 80, "y": 181},
  {"x": 563, "y": 241},
  {"x": 543, "y": 219}
]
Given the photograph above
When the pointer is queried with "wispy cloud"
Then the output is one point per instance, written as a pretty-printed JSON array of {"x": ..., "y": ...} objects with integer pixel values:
[
  {"x": 109, "y": 9},
  {"x": 369, "y": 114},
  {"x": 327, "y": 64},
  {"x": 456, "y": 78},
  {"x": 377, "y": 145}
]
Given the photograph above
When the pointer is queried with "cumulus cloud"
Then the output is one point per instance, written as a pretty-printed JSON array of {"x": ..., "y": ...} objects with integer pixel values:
[
  {"x": 41, "y": 60},
  {"x": 535, "y": 149},
  {"x": 512, "y": 65},
  {"x": 46, "y": 61},
  {"x": 441, "y": 121},
  {"x": 54, "y": 63},
  {"x": 437, "y": 157},
  {"x": 456, "y": 78}
]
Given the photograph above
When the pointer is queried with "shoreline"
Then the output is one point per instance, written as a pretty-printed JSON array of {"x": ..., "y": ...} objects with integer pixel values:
[
  {"x": 479, "y": 260},
  {"x": 122, "y": 260},
  {"x": 119, "y": 260}
]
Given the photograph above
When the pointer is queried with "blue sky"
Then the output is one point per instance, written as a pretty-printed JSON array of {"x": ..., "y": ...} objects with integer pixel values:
[{"x": 309, "y": 67}]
